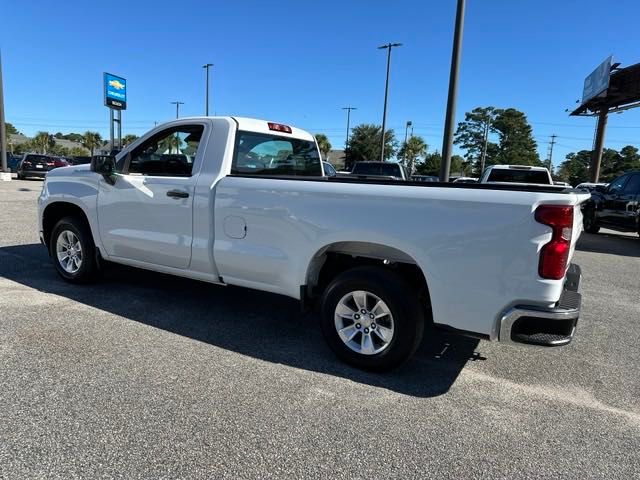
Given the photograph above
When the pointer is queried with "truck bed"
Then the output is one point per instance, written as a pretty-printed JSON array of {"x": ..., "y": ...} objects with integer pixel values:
[{"x": 407, "y": 183}]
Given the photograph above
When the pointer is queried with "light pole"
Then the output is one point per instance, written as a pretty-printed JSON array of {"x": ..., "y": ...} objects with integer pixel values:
[
  {"x": 388, "y": 47},
  {"x": 447, "y": 141},
  {"x": 177, "y": 104},
  {"x": 206, "y": 88}
]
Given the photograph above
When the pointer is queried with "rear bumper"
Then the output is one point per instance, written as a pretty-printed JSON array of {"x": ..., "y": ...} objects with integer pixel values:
[
  {"x": 552, "y": 327},
  {"x": 35, "y": 173}
]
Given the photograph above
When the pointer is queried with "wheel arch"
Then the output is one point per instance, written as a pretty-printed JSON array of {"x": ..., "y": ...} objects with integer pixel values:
[
  {"x": 58, "y": 210},
  {"x": 337, "y": 257}
]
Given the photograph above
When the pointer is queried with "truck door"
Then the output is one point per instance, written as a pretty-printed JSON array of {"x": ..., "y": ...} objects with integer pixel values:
[
  {"x": 625, "y": 204},
  {"x": 147, "y": 214},
  {"x": 612, "y": 200}
]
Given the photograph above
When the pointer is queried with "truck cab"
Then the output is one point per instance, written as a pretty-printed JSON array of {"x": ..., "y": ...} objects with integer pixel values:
[{"x": 615, "y": 206}]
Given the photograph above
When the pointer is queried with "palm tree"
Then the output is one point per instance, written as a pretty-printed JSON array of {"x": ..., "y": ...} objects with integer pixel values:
[
  {"x": 43, "y": 141},
  {"x": 91, "y": 140},
  {"x": 170, "y": 143},
  {"x": 128, "y": 139},
  {"x": 412, "y": 150},
  {"x": 323, "y": 144}
]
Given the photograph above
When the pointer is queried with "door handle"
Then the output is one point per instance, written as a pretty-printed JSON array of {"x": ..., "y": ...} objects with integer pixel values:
[{"x": 177, "y": 194}]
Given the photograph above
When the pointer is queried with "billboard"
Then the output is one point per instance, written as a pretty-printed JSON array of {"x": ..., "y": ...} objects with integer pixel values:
[
  {"x": 597, "y": 81},
  {"x": 115, "y": 92}
]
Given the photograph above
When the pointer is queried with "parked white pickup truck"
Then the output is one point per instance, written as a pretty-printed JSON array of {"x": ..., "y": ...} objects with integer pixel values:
[{"x": 235, "y": 201}]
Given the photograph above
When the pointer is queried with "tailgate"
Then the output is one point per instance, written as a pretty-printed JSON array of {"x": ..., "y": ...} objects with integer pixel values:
[{"x": 577, "y": 221}]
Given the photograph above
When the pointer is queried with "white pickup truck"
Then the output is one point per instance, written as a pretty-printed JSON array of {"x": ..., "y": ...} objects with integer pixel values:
[{"x": 236, "y": 201}]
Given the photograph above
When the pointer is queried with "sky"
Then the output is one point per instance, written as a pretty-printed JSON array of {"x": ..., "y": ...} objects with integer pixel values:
[{"x": 300, "y": 62}]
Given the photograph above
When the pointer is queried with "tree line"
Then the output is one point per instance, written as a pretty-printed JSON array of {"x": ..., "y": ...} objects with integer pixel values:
[
  {"x": 45, "y": 143},
  {"x": 515, "y": 144},
  {"x": 575, "y": 169}
]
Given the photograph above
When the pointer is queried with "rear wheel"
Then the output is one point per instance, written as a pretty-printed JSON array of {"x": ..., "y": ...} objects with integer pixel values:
[
  {"x": 589, "y": 222},
  {"x": 371, "y": 318},
  {"x": 73, "y": 252}
]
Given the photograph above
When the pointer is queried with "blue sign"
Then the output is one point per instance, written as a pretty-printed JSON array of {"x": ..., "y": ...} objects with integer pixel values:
[
  {"x": 115, "y": 92},
  {"x": 597, "y": 81}
]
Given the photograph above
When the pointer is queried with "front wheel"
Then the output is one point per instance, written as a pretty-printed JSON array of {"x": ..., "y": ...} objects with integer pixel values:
[
  {"x": 589, "y": 222},
  {"x": 73, "y": 252},
  {"x": 371, "y": 318}
]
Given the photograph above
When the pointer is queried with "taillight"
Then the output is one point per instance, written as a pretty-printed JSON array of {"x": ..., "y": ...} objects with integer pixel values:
[
  {"x": 60, "y": 163},
  {"x": 555, "y": 254}
]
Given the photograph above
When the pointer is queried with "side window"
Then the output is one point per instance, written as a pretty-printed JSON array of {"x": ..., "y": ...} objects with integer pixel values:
[
  {"x": 617, "y": 185},
  {"x": 633, "y": 185},
  {"x": 170, "y": 153},
  {"x": 264, "y": 154}
]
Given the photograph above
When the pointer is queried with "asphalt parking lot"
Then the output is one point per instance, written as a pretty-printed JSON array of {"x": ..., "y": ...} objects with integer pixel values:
[{"x": 149, "y": 376}]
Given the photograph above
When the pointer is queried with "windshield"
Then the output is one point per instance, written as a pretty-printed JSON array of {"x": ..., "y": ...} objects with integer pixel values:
[
  {"x": 518, "y": 176},
  {"x": 263, "y": 154}
]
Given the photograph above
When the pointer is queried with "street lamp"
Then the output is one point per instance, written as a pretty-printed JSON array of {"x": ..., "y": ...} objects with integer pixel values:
[
  {"x": 177, "y": 104},
  {"x": 406, "y": 132},
  {"x": 206, "y": 88},
  {"x": 388, "y": 47}
]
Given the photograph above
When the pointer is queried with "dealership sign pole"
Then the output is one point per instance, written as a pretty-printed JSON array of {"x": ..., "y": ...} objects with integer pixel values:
[
  {"x": 596, "y": 84},
  {"x": 115, "y": 98}
]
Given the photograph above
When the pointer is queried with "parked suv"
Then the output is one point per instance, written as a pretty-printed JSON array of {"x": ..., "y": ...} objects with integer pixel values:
[
  {"x": 35, "y": 165},
  {"x": 615, "y": 206}
]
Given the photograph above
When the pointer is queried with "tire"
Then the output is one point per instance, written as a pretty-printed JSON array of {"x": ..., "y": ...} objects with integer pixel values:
[
  {"x": 589, "y": 222},
  {"x": 20, "y": 176},
  {"x": 405, "y": 321},
  {"x": 81, "y": 265}
]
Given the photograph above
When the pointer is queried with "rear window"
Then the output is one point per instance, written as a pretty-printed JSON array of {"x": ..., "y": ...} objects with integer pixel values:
[
  {"x": 519, "y": 176},
  {"x": 38, "y": 158},
  {"x": 377, "y": 168},
  {"x": 263, "y": 154}
]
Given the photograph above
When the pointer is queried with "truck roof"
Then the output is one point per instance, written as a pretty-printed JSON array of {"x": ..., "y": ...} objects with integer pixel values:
[{"x": 260, "y": 126}]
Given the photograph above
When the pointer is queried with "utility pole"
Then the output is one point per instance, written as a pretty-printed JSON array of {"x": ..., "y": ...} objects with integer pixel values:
[
  {"x": 177, "y": 104},
  {"x": 348, "y": 109},
  {"x": 3, "y": 129},
  {"x": 447, "y": 141},
  {"x": 206, "y": 88},
  {"x": 483, "y": 157},
  {"x": 388, "y": 47},
  {"x": 550, "y": 156}
]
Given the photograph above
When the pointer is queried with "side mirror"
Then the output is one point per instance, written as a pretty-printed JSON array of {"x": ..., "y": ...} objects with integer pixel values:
[{"x": 105, "y": 165}]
